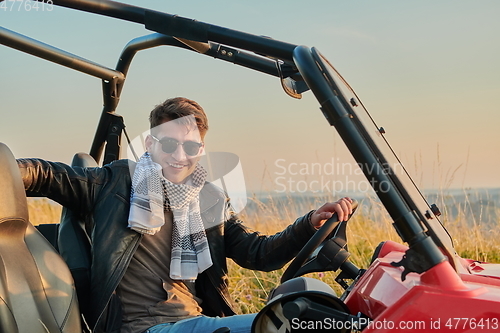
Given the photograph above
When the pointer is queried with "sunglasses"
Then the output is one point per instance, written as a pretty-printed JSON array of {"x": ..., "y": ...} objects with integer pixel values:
[{"x": 169, "y": 145}]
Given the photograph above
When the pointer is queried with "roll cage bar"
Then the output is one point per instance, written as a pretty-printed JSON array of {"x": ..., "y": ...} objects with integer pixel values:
[
  {"x": 110, "y": 125},
  {"x": 294, "y": 65}
]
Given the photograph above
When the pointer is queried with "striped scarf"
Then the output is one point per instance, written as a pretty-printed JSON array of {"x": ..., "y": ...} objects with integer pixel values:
[{"x": 151, "y": 195}]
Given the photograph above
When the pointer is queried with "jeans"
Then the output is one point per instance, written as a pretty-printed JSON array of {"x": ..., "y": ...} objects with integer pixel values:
[{"x": 204, "y": 324}]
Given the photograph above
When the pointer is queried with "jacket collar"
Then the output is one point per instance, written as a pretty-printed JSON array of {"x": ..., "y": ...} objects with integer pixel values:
[{"x": 208, "y": 198}]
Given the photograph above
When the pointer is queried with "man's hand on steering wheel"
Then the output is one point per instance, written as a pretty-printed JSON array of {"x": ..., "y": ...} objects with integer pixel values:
[{"x": 342, "y": 207}]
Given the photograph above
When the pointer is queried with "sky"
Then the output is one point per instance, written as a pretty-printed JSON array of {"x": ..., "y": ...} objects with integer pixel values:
[{"x": 427, "y": 71}]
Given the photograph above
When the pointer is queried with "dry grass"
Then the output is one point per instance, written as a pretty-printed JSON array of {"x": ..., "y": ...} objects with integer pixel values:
[
  {"x": 366, "y": 230},
  {"x": 43, "y": 211}
]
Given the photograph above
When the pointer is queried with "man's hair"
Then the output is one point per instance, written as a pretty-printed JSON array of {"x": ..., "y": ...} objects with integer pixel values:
[{"x": 179, "y": 107}]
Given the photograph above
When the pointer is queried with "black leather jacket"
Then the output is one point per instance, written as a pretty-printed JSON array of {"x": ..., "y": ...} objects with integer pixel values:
[{"x": 99, "y": 199}]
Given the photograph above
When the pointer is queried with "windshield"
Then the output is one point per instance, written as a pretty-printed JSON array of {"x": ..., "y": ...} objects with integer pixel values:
[{"x": 385, "y": 154}]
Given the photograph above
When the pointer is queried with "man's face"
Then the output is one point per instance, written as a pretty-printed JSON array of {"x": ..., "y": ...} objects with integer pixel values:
[{"x": 178, "y": 165}]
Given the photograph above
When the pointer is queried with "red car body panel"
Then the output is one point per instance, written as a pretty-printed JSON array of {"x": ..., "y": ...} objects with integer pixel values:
[{"x": 439, "y": 299}]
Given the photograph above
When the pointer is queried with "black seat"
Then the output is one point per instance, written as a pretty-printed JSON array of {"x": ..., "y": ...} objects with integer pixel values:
[
  {"x": 37, "y": 293},
  {"x": 74, "y": 244}
]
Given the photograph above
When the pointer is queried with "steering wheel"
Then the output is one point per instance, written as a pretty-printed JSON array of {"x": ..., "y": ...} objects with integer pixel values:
[{"x": 319, "y": 237}]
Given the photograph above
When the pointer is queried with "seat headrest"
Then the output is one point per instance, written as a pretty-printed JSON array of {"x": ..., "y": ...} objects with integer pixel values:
[
  {"x": 83, "y": 160},
  {"x": 13, "y": 204}
]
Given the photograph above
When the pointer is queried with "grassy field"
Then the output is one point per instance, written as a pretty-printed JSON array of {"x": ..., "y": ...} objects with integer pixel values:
[{"x": 366, "y": 229}]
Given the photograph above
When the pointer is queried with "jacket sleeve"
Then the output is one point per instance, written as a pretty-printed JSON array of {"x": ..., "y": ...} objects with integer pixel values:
[
  {"x": 74, "y": 188},
  {"x": 252, "y": 250}
]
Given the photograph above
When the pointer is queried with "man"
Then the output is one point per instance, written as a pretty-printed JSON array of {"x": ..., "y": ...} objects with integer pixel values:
[{"x": 161, "y": 234}]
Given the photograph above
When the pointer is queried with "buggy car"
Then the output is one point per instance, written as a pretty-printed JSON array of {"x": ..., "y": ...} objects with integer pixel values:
[{"x": 423, "y": 285}]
